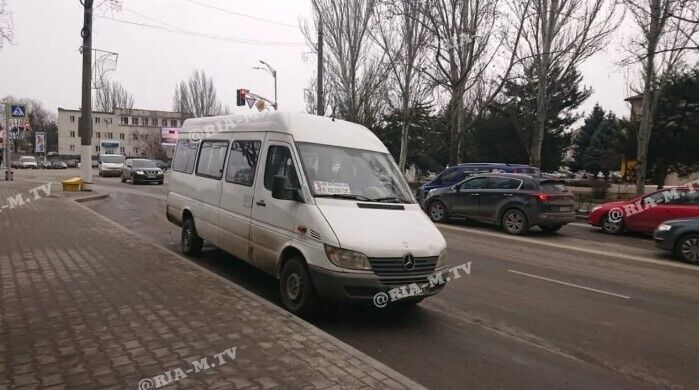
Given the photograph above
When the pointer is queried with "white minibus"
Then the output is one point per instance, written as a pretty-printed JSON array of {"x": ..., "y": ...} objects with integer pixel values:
[{"x": 318, "y": 203}]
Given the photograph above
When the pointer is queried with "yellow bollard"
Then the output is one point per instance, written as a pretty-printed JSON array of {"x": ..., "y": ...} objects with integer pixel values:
[{"x": 72, "y": 185}]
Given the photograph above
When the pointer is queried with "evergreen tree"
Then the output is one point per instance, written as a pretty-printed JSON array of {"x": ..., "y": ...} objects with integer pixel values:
[
  {"x": 603, "y": 154},
  {"x": 583, "y": 138}
]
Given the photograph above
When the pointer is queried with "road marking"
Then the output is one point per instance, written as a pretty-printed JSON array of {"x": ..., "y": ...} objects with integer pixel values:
[
  {"x": 569, "y": 284},
  {"x": 575, "y": 248}
]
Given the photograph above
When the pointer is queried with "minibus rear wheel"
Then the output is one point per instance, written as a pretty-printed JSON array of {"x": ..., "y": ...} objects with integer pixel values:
[
  {"x": 296, "y": 289},
  {"x": 192, "y": 244}
]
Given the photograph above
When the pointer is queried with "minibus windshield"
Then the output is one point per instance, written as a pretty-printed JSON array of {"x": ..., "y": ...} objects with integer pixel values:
[
  {"x": 353, "y": 174},
  {"x": 113, "y": 159}
]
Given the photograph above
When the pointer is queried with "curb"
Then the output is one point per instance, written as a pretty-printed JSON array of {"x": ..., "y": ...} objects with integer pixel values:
[
  {"x": 391, "y": 373},
  {"x": 92, "y": 197}
]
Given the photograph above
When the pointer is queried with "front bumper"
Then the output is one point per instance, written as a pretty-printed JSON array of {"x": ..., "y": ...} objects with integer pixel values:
[
  {"x": 111, "y": 172},
  {"x": 661, "y": 240},
  {"x": 147, "y": 178},
  {"x": 356, "y": 287},
  {"x": 554, "y": 218}
]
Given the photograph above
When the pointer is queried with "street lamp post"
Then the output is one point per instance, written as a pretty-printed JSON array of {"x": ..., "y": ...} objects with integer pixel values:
[{"x": 273, "y": 72}]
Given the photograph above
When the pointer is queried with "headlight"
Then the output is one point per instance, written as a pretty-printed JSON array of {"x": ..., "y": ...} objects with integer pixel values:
[
  {"x": 345, "y": 258},
  {"x": 442, "y": 260},
  {"x": 139, "y": 172},
  {"x": 664, "y": 227}
]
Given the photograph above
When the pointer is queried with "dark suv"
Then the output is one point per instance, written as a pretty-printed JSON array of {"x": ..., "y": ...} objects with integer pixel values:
[{"x": 514, "y": 201}]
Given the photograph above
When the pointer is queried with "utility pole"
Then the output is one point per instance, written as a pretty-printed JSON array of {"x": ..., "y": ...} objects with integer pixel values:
[
  {"x": 85, "y": 122},
  {"x": 321, "y": 102},
  {"x": 273, "y": 72}
]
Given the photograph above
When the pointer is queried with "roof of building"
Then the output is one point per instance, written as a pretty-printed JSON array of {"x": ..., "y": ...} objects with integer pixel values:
[{"x": 302, "y": 127}]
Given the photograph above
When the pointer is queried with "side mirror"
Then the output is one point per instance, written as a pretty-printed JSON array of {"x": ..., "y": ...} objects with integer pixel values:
[{"x": 281, "y": 190}]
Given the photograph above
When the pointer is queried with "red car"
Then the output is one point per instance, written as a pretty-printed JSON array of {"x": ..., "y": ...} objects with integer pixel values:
[{"x": 645, "y": 213}]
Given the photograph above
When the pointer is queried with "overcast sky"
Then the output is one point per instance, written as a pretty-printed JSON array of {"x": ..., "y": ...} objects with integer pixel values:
[{"x": 44, "y": 62}]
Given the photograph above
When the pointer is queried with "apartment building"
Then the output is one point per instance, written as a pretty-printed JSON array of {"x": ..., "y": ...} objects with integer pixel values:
[{"x": 138, "y": 131}]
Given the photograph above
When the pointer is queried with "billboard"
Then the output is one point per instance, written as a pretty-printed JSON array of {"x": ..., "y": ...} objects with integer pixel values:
[
  {"x": 169, "y": 136},
  {"x": 40, "y": 142}
]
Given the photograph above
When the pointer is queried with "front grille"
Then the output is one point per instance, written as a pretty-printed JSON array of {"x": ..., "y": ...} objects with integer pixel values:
[
  {"x": 151, "y": 172},
  {"x": 391, "y": 272}
]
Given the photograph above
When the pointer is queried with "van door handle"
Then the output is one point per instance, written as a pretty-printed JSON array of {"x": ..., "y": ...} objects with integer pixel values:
[
  {"x": 475, "y": 194},
  {"x": 261, "y": 203},
  {"x": 507, "y": 194}
]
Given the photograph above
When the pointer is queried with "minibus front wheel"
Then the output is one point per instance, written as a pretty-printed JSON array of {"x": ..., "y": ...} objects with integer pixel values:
[{"x": 296, "y": 289}]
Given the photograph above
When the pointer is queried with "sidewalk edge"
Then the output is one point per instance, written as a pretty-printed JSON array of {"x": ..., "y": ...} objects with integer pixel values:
[{"x": 388, "y": 371}]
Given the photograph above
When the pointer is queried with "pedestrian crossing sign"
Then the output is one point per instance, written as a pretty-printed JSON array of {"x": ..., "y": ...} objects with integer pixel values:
[{"x": 18, "y": 111}]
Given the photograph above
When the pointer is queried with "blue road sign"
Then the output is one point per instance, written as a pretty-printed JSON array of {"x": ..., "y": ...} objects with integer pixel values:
[{"x": 18, "y": 111}]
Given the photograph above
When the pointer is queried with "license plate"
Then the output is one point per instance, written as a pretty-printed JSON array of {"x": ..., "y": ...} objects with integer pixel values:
[{"x": 564, "y": 209}]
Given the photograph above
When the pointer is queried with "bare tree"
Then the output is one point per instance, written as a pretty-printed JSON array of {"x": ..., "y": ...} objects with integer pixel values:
[
  {"x": 197, "y": 96},
  {"x": 667, "y": 30},
  {"x": 7, "y": 28},
  {"x": 562, "y": 34},
  {"x": 473, "y": 45},
  {"x": 403, "y": 36},
  {"x": 113, "y": 95},
  {"x": 354, "y": 69}
]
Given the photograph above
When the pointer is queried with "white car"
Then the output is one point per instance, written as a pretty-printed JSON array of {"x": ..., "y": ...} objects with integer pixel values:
[
  {"x": 110, "y": 164},
  {"x": 318, "y": 203},
  {"x": 27, "y": 162}
]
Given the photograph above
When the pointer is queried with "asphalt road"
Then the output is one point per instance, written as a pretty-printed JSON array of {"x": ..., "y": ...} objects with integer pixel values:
[{"x": 575, "y": 310}]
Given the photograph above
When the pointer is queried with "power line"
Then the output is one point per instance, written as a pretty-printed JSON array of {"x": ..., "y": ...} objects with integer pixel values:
[
  {"x": 176, "y": 30},
  {"x": 242, "y": 14}
]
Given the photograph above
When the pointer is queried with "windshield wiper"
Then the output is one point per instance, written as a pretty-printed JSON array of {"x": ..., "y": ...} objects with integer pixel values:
[
  {"x": 345, "y": 196},
  {"x": 393, "y": 199}
]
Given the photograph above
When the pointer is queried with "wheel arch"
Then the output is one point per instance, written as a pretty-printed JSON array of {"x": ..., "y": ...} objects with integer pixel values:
[{"x": 289, "y": 251}]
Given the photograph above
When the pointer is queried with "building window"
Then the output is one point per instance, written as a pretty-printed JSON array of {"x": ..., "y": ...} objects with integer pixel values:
[
  {"x": 72, "y": 118},
  {"x": 135, "y": 137},
  {"x": 122, "y": 150},
  {"x": 110, "y": 135},
  {"x": 98, "y": 134},
  {"x": 97, "y": 119},
  {"x": 124, "y": 120},
  {"x": 154, "y": 121},
  {"x": 108, "y": 121},
  {"x": 134, "y": 121},
  {"x": 72, "y": 148},
  {"x": 97, "y": 148},
  {"x": 72, "y": 134},
  {"x": 173, "y": 123},
  {"x": 121, "y": 135},
  {"x": 135, "y": 150}
]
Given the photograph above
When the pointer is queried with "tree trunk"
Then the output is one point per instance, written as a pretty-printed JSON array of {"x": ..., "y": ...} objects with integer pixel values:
[
  {"x": 404, "y": 145},
  {"x": 547, "y": 35}
]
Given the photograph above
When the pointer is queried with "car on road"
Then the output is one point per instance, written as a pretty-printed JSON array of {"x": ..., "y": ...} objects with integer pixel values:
[
  {"x": 45, "y": 164},
  {"x": 680, "y": 237},
  {"x": 72, "y": 163},
  {"x": 95, "y": 164},
  {"x": 110, "y": 164},
  {"x": 317, "y": 203},
  {"x": 28, "y": 162},
  {"x": 645, "y": 213},
  {"x": 141, "y": 170},
  {"x": 516, "y": 202},
  {"x": 58, "y": 164},
  {"x": 456, "y": 174}
]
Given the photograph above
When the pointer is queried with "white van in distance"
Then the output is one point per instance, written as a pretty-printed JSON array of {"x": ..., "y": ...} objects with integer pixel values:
[{"x": 318, "y": 203}]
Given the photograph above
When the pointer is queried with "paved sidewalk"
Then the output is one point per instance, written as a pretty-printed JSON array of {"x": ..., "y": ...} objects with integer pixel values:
[{"x": 86, "y": 304}]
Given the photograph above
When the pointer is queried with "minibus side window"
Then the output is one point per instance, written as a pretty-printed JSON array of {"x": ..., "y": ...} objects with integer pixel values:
[
  {"x": 211, "y": 159},
  {"x": 279, "y": 162},
  {"x": 185, "y": 154},
  {"x": 242, "y": 162}
]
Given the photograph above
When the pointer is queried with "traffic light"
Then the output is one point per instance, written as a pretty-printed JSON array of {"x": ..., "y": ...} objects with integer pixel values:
[{"x": 240, "y": 97}]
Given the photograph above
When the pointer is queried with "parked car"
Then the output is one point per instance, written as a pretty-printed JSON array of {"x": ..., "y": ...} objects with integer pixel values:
[
  {"x": 514, "y": 201},
  {"x": 45, "y": 164},
  {"x": 95, "y": 164},
  {"x": 162, "y": 165},
  {"x": 681, "y": 237},
  {"x": 72, "y": 163},
  {"x": 58, "y": 164},
  {"x": 28, "y": 162},
  {"x": 141, "y": 170},
  {"x": 645, "y": 213},
  {"x": 456, "y": 174},
  {"x": 317, "y": 203},
  {"x": 110, "y": 164}
]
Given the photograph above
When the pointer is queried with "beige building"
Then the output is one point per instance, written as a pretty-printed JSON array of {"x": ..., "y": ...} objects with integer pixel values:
[{"x": 138, "y": 131}]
